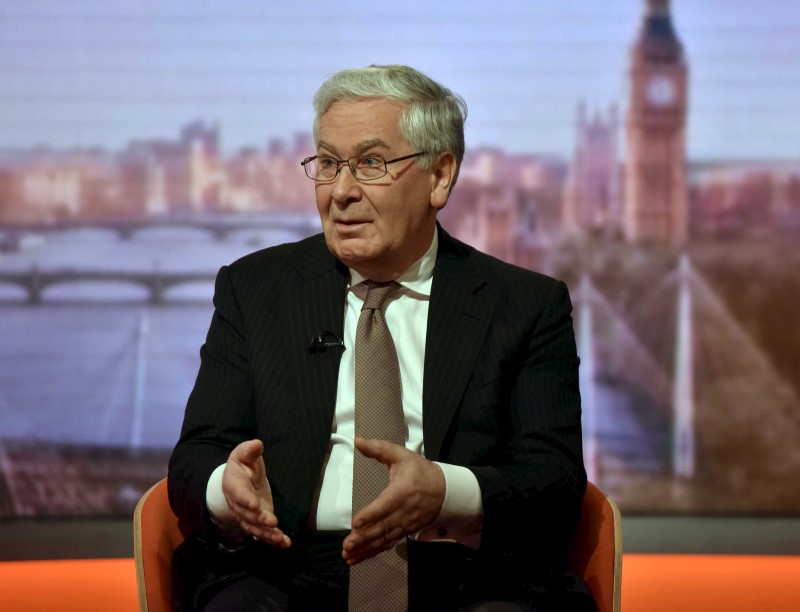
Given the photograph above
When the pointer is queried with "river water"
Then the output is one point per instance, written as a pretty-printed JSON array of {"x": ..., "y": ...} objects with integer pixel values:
[{"x": 95, "y": 363}]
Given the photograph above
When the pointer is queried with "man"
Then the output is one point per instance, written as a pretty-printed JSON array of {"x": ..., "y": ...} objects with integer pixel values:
[{"x": 486, "y": 478}]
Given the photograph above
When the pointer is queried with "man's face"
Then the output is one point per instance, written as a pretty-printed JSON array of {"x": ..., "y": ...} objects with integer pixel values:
[{"x": 378, "y": 227}]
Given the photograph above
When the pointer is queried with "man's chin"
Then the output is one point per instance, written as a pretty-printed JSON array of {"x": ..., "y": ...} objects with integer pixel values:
[{"x": 351, "y": 251}]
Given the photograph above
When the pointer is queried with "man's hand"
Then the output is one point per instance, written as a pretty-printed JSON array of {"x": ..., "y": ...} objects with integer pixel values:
[
  {"x": 411, "y": 501},
  {"x": 248, "y": 495}
]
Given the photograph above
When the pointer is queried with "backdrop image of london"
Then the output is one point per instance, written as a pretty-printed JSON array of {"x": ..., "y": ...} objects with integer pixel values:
[{"x": 645, "y": 151}]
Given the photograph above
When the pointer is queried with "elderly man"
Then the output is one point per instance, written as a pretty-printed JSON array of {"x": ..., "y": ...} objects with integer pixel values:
[{"x": 384, "y": 417}]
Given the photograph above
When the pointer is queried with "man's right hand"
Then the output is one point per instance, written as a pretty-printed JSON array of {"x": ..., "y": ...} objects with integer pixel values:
[{"x": 248, "y": 494}]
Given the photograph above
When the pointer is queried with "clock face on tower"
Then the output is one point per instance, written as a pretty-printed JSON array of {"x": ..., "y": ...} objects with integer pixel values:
[{"x": 660, "y": 90}]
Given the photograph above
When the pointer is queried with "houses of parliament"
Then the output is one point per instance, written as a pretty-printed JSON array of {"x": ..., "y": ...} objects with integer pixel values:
[
  {"x": 644, "y": 199},
  {"x": 626, "y": 179},
  {"x": 518, "y": 207}
]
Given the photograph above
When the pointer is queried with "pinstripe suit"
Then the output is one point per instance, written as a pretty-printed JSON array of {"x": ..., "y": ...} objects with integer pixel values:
[{"x": 500, "y": 390}]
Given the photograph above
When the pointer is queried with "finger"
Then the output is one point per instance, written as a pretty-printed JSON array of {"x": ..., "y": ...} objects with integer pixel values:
[
  {"x": 250, "y": 456},
  {"x": 391, "y": 510},
  {"x": 273, "y": 537},
  {"x": 355, "y": 554},
  {"x": 391, "y": 500},
  {"x": 247, "y": 451},
  {"x": 262, "y": 518},
  {"x": 369, "y": 534},
  {"x": 246, "y": 500},
  {"x": 354, "y": 560},
  {"x": 367, "y": 555},
  {"x": 264, "y": 527},
  {"x": 377, "y": 537},
  {"x": 381, "y": 450},
  {"x": 244, "y": 495},
  {"x": 378, "y": 510}
]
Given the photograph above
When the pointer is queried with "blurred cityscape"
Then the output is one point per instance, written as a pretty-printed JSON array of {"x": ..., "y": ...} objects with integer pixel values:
[
  {"x": 682, "y": 274},
  {"x": 507, "y": 204}
]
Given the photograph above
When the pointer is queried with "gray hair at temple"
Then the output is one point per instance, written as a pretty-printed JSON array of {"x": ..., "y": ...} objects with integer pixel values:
[{"x": 433, "y": 120}]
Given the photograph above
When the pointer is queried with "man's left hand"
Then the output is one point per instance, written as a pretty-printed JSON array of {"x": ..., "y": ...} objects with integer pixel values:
[{"x": 411, "y": 501}]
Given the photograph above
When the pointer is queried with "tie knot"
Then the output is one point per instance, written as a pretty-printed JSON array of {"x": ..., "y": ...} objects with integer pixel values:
[{"x": 377, "y": 294}]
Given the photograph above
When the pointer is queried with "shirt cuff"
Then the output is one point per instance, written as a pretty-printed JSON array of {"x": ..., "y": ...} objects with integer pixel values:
[
  {"x": 461, "y": 517},
  {"x": 221, "y": 515}
]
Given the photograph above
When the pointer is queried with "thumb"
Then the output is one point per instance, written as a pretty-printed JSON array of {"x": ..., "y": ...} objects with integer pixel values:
[
  {"x": 380, "y": 450},
  {"x": 248, "y": 452}
]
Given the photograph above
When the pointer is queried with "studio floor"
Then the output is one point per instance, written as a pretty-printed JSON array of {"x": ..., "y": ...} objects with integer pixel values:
[{"x": 650, "y": 583}]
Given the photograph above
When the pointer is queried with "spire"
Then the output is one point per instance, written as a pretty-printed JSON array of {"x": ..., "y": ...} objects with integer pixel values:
[
  {"x": 657, "y": 39},
  {"x": 658, "y": 8},
  {"x": 581, "y": 114}
]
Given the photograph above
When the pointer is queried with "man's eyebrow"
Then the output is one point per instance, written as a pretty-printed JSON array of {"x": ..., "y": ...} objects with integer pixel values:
[
  {"x": 372, "y": 142},
  {"x": 359, "y": 148},
  {"x": 324, "y": 145}
]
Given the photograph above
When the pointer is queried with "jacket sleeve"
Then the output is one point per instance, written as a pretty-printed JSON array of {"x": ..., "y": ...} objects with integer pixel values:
[
  {"x": 533, "y": 487},
  {"x": 219, "y": 413}
]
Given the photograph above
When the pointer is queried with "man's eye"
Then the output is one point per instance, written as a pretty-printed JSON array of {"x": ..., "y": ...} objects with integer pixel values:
[
  {"x": 370, "y": 161},
  {"x": 326, "y": 162}
]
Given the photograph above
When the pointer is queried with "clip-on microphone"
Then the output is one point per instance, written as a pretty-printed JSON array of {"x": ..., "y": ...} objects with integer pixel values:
[{"x": 323, "y": 340}]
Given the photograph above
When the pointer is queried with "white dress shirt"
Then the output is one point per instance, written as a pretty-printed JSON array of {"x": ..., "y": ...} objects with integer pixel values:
[{"x": 406, "y": 314}]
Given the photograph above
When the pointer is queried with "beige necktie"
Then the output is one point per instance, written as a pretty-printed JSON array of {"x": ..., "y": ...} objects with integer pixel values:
[{"x": 379, "y": 583}]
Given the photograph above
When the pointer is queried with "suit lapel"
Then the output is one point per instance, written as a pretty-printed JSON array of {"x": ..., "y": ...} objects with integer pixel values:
[
  {"x": 314, "y": 303},
  {"x": 458, "y": 318}
]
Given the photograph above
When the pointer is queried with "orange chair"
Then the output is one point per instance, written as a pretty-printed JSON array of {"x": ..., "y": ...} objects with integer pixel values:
[
  {"x": 155, "y": 536},
  {"x": 595, "y": 550}
]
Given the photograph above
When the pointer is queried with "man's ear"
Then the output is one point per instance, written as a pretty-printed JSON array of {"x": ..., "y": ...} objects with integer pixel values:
[{"x": 443, "y": 173}]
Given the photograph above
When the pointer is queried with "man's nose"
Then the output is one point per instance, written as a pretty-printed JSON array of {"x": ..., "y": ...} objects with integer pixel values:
[{"x": 345, "y": 186}]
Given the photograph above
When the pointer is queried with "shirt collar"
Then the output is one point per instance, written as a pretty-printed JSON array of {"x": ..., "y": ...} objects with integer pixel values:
[{"x": 419, "y": 276}]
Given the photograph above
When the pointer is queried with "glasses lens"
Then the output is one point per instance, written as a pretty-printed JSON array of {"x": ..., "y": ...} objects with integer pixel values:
[
  {"x": 364, "y": 167},
  {"x": 369, "y": 167},
  {"x": 322, "y": 168}
]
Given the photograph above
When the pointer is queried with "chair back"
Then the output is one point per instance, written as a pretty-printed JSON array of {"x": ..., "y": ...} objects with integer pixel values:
[
  {"x": 155, "y": 536},
  {"x": 595, "y": 551}
]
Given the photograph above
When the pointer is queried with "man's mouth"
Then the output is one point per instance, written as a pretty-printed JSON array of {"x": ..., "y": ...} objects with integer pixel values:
[{"x": 349, "y": 222}]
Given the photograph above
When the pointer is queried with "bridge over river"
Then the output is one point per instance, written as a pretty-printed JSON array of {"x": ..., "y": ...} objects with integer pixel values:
[
  {"x": 38, "y": 261},
  {"x": 217, "y": 226},
  {"x": 34, "y": 281}
]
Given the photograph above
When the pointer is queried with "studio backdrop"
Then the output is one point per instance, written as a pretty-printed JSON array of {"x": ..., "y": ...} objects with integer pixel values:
[{"x": 645, "y": 151}]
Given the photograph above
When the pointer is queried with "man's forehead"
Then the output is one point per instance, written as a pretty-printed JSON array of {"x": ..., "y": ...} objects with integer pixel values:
[{"x": 359, "y": 124}]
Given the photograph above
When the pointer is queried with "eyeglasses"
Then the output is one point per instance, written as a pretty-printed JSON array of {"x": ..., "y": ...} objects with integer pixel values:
[{"x": 324, "y": 169}]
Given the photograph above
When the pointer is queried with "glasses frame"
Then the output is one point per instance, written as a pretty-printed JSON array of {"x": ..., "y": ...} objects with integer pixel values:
[{"x": 341, "y": 162}]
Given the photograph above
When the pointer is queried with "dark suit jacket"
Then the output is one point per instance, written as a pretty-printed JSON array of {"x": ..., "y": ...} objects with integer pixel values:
[{"x": 500, "y": 390}]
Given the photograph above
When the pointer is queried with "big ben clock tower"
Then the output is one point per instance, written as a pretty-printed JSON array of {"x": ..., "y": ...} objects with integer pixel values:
[{"x": 655, "y": 191}]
